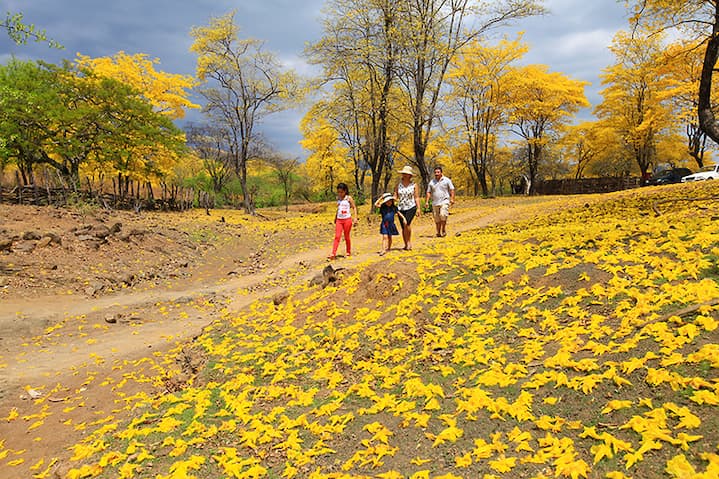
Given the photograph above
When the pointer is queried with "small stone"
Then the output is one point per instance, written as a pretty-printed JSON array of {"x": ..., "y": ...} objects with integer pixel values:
[
  {"x": 44, "y": 242},
  {"x": 5, "y": 244},
  {"x": 280, "y": 297},
  {"x": 31, "y": 235},
  {"x": 100, "y": 231},
  {"x": 25, "y": 246},
  {"x": 54, "y": 237}
]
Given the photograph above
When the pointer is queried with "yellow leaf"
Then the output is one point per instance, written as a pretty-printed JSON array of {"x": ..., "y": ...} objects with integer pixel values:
[
  {"x": 601, "y": 451},
  {"x": 12, "y": 415},
  {"x": 463, "y": 461},
  {"x": 615, "y": 405},
  {"x": 679, "y": 467},
  {"x": 390, "y": 475},
  {"x": 503, "y": 463}
]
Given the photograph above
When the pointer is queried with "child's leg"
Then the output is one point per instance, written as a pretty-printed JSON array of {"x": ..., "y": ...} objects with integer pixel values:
[
  {"x": 384, "y": 244},
  {"x": 389, "y": 242},
  {"x": 338, "y": 235},
  {"x": 348, "y": 241}
]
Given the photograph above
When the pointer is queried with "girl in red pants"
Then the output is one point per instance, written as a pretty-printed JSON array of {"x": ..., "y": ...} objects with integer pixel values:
[{"x": 344, "y": 219}]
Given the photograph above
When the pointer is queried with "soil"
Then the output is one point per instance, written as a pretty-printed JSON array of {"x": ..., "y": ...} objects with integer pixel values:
[{"x": 86, "y": 296}]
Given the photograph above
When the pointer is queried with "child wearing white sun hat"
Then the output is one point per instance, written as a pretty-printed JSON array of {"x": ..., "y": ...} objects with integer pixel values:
[{"x": 387, "y": 228}]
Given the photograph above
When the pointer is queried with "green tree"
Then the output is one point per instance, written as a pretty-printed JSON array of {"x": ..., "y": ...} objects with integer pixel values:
[
  {"x": 69, "y": 118},
  {"x": 209, "y": 143},
  {"x": 28, "y": 96},
  {"x": 284, "y": 169}
]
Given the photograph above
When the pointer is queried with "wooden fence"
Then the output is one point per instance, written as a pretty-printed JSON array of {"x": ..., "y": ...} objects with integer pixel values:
[
  {"x": 586, "y": 185},
  {"x": 181, "y": 198}
]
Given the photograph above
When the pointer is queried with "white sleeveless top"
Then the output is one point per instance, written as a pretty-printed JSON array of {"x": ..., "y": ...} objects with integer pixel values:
[
  {"x": 406, "y": 197},
  {"x": 344, "y": 210}
]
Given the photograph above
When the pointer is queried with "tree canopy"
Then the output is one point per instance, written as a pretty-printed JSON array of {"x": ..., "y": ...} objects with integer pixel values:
[{"x": 69, "y": 118}]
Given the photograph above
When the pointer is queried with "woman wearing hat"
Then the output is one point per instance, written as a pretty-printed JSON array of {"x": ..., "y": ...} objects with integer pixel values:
[
  {"x": 407, "y": 194},
  {"x": 387, "y": 228}
]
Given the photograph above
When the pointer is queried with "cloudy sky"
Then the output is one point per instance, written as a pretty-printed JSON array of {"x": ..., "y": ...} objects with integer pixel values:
[{"x": 572, "y": 38}]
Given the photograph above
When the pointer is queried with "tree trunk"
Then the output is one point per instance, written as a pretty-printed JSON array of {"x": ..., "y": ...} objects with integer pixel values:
[
  {"x": 697, "y": 141},
  {"x": 707, "y": 120}
]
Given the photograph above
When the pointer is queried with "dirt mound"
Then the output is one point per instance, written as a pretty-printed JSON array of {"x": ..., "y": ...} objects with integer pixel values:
[{"x": 389, "y": 282}]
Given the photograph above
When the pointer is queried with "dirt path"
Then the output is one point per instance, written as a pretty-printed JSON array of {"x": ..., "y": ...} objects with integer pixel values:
[
  {"x": 61, "y": 345},
  {"x": 146, "y": 312}
]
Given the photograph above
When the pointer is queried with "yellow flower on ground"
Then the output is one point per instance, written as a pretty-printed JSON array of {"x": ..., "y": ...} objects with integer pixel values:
[{"x": 679, "y": 468}]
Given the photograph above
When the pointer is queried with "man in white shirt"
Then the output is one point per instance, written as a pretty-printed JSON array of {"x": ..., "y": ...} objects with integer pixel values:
[{"x": 441, "y": 191}]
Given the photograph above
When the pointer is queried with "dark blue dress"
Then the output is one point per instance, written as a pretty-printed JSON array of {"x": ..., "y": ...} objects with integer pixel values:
[{"x": 387, "y": 227}]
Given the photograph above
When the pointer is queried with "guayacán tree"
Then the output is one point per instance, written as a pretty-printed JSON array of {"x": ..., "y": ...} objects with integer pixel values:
[
  {"x": 680, "y": 71},
  {"x": 168, "y": 93},
  {"x": 605, "y": 147},
  {"x": 242, "y": 84},
  {"x": 327, "y": 162},
  {"x": 541, "y": 104},
  {"x": 358, "y": 53},
  {"x": 480, "y": 97},
  {"x": 632, "y": 100},
  {"x": 698, "y": 23},
  {"x": 581, "y": 144},
  {"x": 397, "y": 55},
  {"x": 431, "y": 33}
]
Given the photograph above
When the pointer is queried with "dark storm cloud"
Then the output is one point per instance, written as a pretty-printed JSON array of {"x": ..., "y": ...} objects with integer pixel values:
[
  {"x": 571, "y": 39},
  {"x": 161, "y": 29}
]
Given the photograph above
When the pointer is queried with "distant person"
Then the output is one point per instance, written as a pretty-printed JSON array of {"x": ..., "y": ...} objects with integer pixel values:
[
  {"x": 441, "y": 192},
  {"x": 345, "y": 217},
  {"x": 407, "y": 194},
  {"x": 387, "y": 228}
]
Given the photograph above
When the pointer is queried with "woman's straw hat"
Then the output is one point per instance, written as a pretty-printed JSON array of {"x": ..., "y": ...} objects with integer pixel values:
[
  {"x": 407, "y": 170},
  {"x": 383, "y": 199}
]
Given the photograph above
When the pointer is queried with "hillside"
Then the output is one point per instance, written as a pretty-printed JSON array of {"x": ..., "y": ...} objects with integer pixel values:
[{"x": 552, "y": 337}]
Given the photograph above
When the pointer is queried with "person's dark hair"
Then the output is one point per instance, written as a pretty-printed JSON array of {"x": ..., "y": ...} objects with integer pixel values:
[
  {"x": 437, "y": 167},
  {"x": 343, "y": 187}
]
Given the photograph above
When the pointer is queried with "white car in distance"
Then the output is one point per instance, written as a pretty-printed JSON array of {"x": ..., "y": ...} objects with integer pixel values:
[{"x": 706, "y": 173}]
